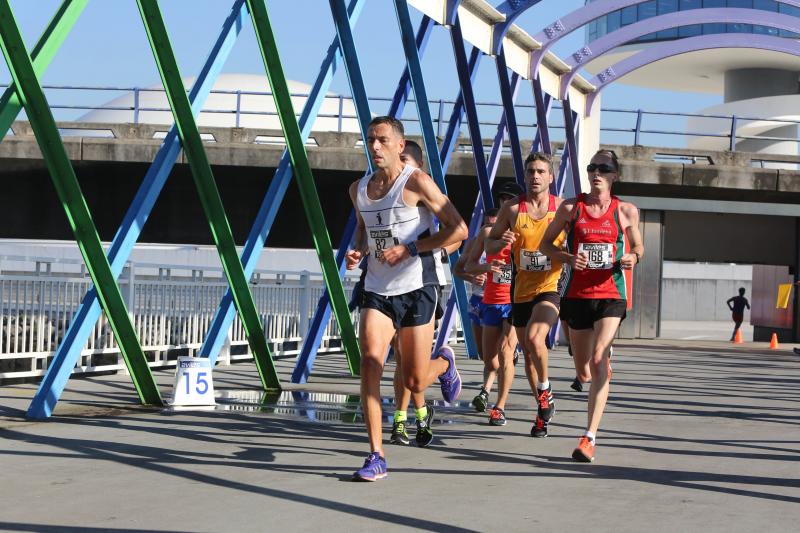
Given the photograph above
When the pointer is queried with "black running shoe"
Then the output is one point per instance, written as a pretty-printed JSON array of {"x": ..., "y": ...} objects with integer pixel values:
[
  {"x": 399, "y": 433},
  {"x": 424, "y": 432},
  {"x": 546, "y": 405},
  {"x": 539, "y": 428},
  {"x": 576, "y": 385},
  {"x": 481, "y": 401}
]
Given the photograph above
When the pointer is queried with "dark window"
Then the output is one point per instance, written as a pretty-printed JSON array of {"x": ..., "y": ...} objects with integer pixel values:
[
  {"x": 747, "y": 4},
  {"x": 628, "y": 16},
  {"x": 647, "y": 10},
  {"x": 765, "y": 30},
  {"x": 765, "y": 5},
  {"x": 648, "y": 37},
  {"x": 671, "y": 33},
  {"x": 591, "y": 30},
  {"x": 714, "y": 3},
  {"x": 690, "y": 4},
  {"x": 601, "y": 26},
  {"x": 612, "y": 21},
  {"x": 713, "y": 28},
  {"x": 667, "y": 6},
  {"x": 690, "y": 31},
  {"x": 788, "y": 10},
  {"x": 740, "y": 28}
]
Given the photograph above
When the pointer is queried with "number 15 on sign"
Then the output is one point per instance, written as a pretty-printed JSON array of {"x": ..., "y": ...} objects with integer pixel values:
[{"x": 193, "y": 382}]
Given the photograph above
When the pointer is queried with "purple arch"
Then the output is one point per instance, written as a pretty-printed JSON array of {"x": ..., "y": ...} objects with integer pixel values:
[
  {"x": 629, "y": 33},
  {"x": 683, "y": 46},
  {"x": 512, "y": 9},
  {"x": 582, "y": 16}
]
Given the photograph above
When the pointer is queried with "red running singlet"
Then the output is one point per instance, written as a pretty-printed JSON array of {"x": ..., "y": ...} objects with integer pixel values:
[
  {"x": 603, "y": 240},
  {"x": 497, "y": 289}
]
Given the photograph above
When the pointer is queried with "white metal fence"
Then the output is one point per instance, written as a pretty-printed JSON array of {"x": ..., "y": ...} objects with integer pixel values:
[{"x": 172, "y": 308}]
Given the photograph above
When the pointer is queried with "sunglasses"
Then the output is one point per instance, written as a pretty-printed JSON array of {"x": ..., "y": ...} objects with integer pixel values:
[{"x": 602, "y": 168}]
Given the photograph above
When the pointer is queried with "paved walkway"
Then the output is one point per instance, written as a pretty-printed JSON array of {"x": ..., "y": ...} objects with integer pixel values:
[{"x": 701, "y": 436}]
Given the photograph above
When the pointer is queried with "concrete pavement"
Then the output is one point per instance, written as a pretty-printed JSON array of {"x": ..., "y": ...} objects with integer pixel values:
[{"x": 698, "y": 436}]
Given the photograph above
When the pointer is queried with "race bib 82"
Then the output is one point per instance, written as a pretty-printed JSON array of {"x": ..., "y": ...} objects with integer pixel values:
[{"x": 380, "y": 240}]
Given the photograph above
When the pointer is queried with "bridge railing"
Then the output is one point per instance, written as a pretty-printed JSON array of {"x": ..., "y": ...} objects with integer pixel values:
[
  {"x": 172, "y": 308},
  {"x": 620, "y": 126}
]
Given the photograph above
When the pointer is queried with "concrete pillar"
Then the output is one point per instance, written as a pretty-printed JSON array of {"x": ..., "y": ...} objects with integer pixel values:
[{"x": 644, "y": 320}]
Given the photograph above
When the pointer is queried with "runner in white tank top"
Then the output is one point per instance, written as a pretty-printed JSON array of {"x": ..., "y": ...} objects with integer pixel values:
[{"x": 393, "y": 208}]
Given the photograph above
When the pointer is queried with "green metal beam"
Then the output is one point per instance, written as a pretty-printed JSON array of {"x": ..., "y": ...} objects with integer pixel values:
[
  {"x": 42, "y": 54},
  {"x": 305, "y": 180},
  {"x": 69, "y": 192},
  {"x": 207, "y": 189}
]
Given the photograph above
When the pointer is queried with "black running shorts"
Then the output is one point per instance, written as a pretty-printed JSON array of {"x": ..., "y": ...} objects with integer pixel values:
[
  {"x": 582, "y": 313},
  {"x": 521, "y": 312},
  {"x": 415, "y": 308}
]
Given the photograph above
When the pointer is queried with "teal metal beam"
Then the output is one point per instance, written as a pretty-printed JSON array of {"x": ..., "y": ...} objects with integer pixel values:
[
  {"x": 74, "y": 204},
  {"x": 207, "y": 189},
  {"x": 305, "y": 180},
  {"x": 42, "y": 54}
]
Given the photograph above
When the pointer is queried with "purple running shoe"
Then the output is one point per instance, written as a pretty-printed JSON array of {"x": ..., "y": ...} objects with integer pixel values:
[
  {"x": 374, "y": 469},
  {"x": 450, "y": 379}
]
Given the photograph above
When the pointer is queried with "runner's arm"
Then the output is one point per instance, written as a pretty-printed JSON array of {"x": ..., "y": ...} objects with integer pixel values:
[
  {"x": 473, "y": 261},
  {"x": 559, "y": 224},
  {"x": 459, "y": 270},
  {"x": 501, "y": 234},
  {"x": 360, "y": 249},
  {"x": 631, "y": 213},
  {"x": 453, "y": 229}
]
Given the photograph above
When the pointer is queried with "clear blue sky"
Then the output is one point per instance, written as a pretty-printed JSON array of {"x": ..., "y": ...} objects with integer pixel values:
[{"x": 108, "y": 47}]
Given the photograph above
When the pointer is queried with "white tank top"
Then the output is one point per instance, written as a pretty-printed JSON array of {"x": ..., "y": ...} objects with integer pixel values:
[{"x": 389, "y": 221}]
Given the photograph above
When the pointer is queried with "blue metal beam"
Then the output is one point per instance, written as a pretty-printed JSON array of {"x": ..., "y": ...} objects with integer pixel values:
[
  {"x": 55, "y": 380},
  {"x": 344, "y": 32},
  {"x": 428, "y": 135},
  {"x": 404, "y": 87},
  {"x": 544, "y": 103},
  {"x": 254, "y": 244},
  {"x": 319, "y": 321},
  {"x": 472, "y": 113},
  {"x": 511, "y": 117},
  {"x": 448, "y": 320},
  {"x": 571, "y": 124}
]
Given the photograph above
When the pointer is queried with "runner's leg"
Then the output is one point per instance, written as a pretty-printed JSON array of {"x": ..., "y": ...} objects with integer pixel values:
[
  {"x": 375, "y": 333},
  {"x": 603, "y": 335},
  {"x": 505, "y": 375}
]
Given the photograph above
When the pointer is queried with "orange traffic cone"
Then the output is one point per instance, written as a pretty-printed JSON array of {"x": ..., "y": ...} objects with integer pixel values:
[
  {"x": 773, "y": 343},
  {"x": 738, "y": 338}
]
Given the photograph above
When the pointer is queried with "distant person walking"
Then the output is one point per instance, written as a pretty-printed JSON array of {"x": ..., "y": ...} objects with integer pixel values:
[{"x": 737, "y": 304}]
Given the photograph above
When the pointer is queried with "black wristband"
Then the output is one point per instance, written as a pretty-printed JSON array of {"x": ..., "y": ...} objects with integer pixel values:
[
  {"x": 412, "y": 249},
  {"x": 638, "y": 257}
]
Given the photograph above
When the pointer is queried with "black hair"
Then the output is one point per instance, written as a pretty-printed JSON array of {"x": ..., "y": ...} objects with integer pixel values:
[
  {"x": 391, "y": 121},
  {"x": 540, "y": 156},
  {"x": 612, "y": 155},
  {"x": 414, "y": 150},
  {"x": 741, "y": 291},
  {"x": 492, "y": 211}
]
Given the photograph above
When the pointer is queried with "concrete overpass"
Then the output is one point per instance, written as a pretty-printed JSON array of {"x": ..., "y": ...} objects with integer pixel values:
[{"x": 696, "y": 205}]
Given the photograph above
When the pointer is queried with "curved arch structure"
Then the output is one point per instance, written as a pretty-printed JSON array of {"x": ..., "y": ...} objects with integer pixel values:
[
  {"x": 512, "y": 9},
  {"x": 629, "y": 33},
  {"x": 683, "y": 46},
  {"x": 562, "y": 27}
]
